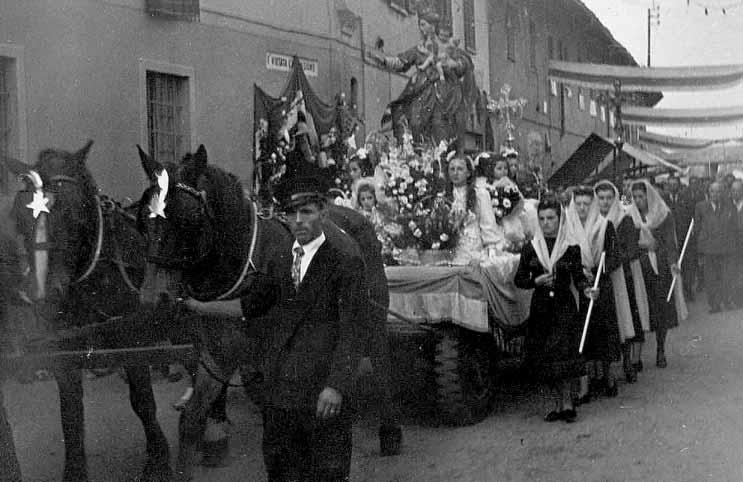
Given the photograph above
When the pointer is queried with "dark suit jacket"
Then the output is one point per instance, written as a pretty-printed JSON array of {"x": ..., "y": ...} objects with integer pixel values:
[
  {"x": 715, "y": 230},
  {"x": 683, "y": 212},
  {"x": 313, "y": 339}
]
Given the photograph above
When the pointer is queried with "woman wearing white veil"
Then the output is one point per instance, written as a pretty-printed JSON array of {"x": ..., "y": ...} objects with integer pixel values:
[
  {"x": 659, "y": 261},
  {"x": 551, "y": 266},
  {"x": 628, "y": 285},
  {"x": 596, "y": 235}
]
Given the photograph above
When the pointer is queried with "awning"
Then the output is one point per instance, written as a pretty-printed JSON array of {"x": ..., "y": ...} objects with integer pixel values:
[
  {"x": 645, "y": 79},
  {"x": 594, "y": 159},
  {"x": 681, "y": 117},
  {"x": 582, "y": 162},
  {"x": 629, "y": 153}
]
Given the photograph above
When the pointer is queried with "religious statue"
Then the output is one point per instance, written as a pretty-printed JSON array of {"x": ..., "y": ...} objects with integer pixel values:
[{"x": 441, "y": 90}]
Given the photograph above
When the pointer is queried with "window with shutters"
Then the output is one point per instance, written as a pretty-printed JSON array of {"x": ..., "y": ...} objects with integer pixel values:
[
  {"x": 511, "y": 32},
  {"x": 468, "y": 12},
  {"x": 168, "y": 112},
  {"x": 175, "y": 9},
  {"x": 12, "y": 110},
  {"x": 532, "y": 44},
  {"x": 5, "y": 119}
]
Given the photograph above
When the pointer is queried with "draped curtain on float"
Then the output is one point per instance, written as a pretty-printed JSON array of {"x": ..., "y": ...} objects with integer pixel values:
[{"x": 270, "y": 108}]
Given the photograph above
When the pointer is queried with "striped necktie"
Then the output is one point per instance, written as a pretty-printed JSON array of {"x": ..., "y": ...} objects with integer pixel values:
[{"x": 297, "y": 266}]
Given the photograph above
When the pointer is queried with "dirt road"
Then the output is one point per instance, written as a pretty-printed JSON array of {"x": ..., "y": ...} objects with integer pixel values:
[{"x": 684, "y": 423}]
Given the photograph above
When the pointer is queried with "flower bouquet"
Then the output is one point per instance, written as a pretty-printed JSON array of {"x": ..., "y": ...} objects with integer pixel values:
[
  {"x": 503, "y": 199},
  {"x": 415, "y": 198}
]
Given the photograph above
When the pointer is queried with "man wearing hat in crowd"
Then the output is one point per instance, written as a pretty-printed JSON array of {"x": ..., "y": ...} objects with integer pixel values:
[{"x": 311, "y": 344}]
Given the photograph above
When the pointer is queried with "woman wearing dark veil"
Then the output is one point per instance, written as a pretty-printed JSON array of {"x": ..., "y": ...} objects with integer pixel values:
[{"x": 552, "y": 267}]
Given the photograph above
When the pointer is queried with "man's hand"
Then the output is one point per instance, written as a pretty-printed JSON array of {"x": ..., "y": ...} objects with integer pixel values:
[{"x": 328, "y": 403}]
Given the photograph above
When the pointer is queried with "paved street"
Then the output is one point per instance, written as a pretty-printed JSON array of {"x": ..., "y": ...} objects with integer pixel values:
[{"x": 684, "y": 423}]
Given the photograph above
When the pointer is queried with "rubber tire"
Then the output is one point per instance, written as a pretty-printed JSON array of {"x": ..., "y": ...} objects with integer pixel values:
[{"x": 462, "y": 369}]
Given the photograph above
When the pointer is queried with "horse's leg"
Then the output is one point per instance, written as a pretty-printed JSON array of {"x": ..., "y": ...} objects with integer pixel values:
[
  {"x": 157, "y": 467},
  {"x": 70, "y": 384},
  {"x": 193, "y": 419}
]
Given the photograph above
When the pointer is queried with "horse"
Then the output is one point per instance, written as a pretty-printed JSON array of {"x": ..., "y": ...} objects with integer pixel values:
[
  {"x": 208, "y": 242},
  {"x": 84, "y": 254}
]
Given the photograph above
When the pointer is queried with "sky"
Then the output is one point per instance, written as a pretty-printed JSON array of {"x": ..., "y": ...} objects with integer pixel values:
[{"x": 685, "y": 37}]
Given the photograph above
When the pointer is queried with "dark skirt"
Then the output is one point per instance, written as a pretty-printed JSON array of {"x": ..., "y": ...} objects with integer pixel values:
[
  {"x": 553, "y": 337},
  {"x": 636, "y": 321},
  {"x": 662, "y": 313},
  {"x": 602, "y": 339}
]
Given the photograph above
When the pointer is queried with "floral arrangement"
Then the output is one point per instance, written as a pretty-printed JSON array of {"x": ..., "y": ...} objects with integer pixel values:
[
  {"x": 503, "y": 199},
  {"x": 415, "y": 197}
]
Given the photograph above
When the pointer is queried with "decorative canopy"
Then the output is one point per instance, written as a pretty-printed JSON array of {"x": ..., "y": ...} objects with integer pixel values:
[{"x": 645, "y": 79}]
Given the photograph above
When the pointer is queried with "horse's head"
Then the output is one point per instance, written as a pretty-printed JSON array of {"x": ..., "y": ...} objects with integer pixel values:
[
  {"x": 58, "y": 217},
  {"x": 178, "y": 223}
]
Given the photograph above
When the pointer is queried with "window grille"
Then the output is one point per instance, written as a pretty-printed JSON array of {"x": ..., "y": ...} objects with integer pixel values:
[
  {"x": 167, "y": 116},
  {"x": 175, "y": 9}
]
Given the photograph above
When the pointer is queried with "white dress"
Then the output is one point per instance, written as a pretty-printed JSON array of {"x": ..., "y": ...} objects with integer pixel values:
[{"x": 478, "y": 233}]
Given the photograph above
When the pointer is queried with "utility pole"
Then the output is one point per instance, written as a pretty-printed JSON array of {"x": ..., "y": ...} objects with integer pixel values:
[{"x": 653, "y": 16}]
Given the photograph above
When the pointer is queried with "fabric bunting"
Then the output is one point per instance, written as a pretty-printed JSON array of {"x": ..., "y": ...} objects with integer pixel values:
[
  {"x": 682, "y": 117},
  {"x": 645, "y": 79}
]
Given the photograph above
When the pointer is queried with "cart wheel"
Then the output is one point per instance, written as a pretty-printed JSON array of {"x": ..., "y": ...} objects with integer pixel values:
[{"x": 463, "y": 383}]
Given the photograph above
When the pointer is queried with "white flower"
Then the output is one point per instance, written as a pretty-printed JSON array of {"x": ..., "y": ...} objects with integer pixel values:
[
  {"x": 444, "y": 237},
  {"x": 394, "y": 192},
  {"x": 337, "y": 181},
  {"x": 412, "y": 225},
  {"x": 417, "y": 233},
  {"x": 403, "y": 199},
  {"x": 409, "y": 206},
  {"x": 496, "y": 203},
  {"x": 499, "y": 213},
  {"x": 507, "y": 203},
  {"x": 361, "y": 153},
  {"x": 403, "y": 186},
  {"x": 436, "y": 245}
]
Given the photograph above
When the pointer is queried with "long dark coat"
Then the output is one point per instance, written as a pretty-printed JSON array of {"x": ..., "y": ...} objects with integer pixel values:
[
  {"x": 602, "y": 339},
  {"x": 554, "y": 326},
  {"x": 662, "y": 314}
]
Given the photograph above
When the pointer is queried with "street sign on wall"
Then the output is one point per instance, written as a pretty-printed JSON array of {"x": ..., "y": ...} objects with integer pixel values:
[{"x": 283, "y": 63}]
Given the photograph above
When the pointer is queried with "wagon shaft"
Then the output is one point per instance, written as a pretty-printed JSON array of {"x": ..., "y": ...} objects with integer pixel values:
[{"x": 152, "y": 355}]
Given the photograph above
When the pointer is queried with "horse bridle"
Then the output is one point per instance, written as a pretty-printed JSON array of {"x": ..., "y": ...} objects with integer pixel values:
[
  {"x": 48, "y": 245},
  {"x": 206, "y": 211}
]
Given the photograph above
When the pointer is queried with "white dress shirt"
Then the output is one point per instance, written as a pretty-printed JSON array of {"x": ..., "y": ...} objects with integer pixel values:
[{"x": 309, "y": 252}]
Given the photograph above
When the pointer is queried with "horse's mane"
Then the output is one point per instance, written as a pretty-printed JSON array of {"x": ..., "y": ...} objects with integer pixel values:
[{"x": 232, "y": 225}]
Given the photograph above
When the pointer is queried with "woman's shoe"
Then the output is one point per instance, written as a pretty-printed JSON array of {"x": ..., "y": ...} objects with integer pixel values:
[
  {"x": 568, "y": 415},
  {"x": 612, "y": 391},
  {"x": 630, "y": 375},
  {"x": 553, "y": 416},
  {"x": 660, "y": 361}
]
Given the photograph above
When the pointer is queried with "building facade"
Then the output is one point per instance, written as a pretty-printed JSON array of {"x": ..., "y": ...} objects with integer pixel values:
[
  {"x": 172, "y": 74},
  {"x": 524, "y": 36}
]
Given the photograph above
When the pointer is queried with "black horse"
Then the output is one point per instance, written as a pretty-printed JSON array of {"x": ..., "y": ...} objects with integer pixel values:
[
  {"x": 86, "y": 262},
  {"x": 205, "y": 240}
]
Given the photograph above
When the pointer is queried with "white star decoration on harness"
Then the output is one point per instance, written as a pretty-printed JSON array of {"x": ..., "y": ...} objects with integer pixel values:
[
  {"x": 157, "y": 202},
  {"x": 40, "y": 203}
]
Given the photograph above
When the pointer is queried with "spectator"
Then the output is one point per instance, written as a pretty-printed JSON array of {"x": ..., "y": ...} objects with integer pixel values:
[
  {"x": 716, "y": 228},
  {"x": 682, "y": 204}
]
